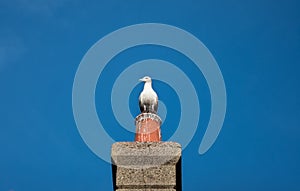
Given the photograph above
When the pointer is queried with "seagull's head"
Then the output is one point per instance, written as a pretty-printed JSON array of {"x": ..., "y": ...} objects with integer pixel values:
[{"x": 145, "y": 79}]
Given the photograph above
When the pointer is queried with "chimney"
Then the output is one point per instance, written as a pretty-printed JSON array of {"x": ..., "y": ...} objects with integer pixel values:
[
  {"x": 147, "y": 163},
  {"x": 147, "y": 128}
]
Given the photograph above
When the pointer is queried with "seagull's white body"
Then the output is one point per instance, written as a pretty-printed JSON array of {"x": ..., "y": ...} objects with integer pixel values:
[{"x": 148, "y": 100}]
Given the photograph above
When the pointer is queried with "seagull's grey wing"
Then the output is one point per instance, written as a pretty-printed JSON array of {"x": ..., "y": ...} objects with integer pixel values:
[
  {"x": 141, "y": 105},
  {"x": 155, "y": 106}
]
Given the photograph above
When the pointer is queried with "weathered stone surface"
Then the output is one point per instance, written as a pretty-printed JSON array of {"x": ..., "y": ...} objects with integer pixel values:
[
  {"x": 164, "y": 175},
  {"x": 145, "y": 153},
  {"x": 146, "y": 166}
]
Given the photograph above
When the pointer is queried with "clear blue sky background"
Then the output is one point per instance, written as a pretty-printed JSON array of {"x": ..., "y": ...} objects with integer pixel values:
[{"x": 256, "y": 44}]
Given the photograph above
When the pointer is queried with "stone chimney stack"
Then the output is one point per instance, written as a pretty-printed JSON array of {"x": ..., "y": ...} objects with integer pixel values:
[{"x": 146, "y": 164}]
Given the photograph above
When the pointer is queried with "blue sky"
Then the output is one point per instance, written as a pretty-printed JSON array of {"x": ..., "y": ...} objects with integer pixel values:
[{"x": 256, "y": 44}]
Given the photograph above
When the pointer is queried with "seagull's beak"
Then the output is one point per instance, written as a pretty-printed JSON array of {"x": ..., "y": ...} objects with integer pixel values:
[{"x": 141, "y": 80}]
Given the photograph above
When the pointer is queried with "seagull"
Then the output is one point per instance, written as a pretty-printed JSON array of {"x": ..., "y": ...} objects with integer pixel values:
[{"x": 148, "y": 100}]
